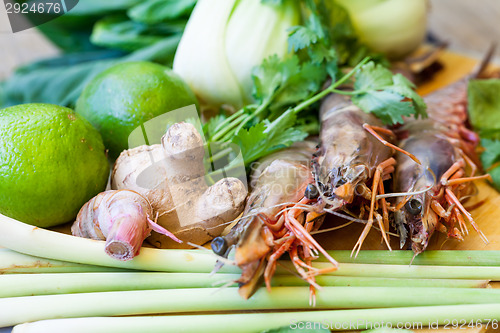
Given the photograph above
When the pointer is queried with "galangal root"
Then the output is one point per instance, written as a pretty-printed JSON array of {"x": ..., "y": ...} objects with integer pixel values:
[
  {"x": 122, "y": 218},
  {"x": 171, "y": 176}
]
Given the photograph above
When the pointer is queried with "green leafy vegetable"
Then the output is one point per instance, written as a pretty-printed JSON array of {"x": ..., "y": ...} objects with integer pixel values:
[
  {"x": 267, "y": 137},
  {"x": 484, "y": 107},
  {"x": 62, "y": 84},
  {"x": 389, "y": 97},
  {"x": 484, "y": 115},
  {"x": 119, "y": 32},
  {"x": 100, "y": 7},
  {"x": 286, "y": 82},
  {"x": 158, "y": 11}
]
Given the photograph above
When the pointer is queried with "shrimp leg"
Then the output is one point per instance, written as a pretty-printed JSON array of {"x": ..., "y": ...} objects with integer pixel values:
[{"x": 379, "y": 172}]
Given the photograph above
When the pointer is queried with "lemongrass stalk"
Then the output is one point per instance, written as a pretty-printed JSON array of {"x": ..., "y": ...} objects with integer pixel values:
[
  {"x": 35, "y": 241},
  {"x": 407, "y": 272},
  {"x": 31, "y": 240},
  {"x": 355, "y": 281},
  {"x": 16, "y": 310},
  {"x": 256, "y": 322},
  {"x": 401, "y": 257},
  {"x": 14, "y": 262},
  {"x": 69, "y": 283}
]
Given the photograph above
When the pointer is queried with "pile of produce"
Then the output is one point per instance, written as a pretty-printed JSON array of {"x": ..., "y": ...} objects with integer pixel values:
[{"x": 274, "y": 115}]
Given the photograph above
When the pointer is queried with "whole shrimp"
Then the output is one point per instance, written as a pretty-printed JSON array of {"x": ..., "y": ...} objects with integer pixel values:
[
  {"x": 445, "y": 146},
  {"x": 351, "y": 156},
  {"x": 272, "y": 222}
]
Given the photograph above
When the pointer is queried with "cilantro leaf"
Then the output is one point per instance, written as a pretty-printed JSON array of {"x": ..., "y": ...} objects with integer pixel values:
[
  {"x": 386, "y": 105},
  {"x": 210, "y": 126},
  {"x": 267, "y": 137},
  {"x": 484, "y": 106},
  {"x": 389, "y": 97},
  {"x": 491, "y": 159},
  {"x": 406, "y": 88},
  {"x": 286, "y": 82},
  {"x": 300, "y": 85},
  {"x": 372, "y": 77},
  {"x": 301, "y": 37},
  {"x": 272, "y": 74},
  {"x": 491, "y": 154}
]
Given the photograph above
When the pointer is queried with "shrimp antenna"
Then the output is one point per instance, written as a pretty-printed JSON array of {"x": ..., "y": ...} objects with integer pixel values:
[
  {"x": 402, "y": 194},
  {"x": 479, "y": 70},
  {"x": 333, "y": 228},
  {"x": 219, "y": 258},
  {"x": 344, "y": 216}
]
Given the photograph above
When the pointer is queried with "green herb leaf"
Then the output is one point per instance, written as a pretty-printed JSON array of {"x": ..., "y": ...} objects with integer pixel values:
[
  {"x": 301, "y": 37},
  {"x": 389, "y": 97},
  {"x": 484, "y": 107},
  {"x": 267, "y": 137},
  {"x": 386, "y": 105},
  {"x": 491, "y": 159},
  {"x": 491, "y": 154},
  {"x": 273, "y": 74},
  {"x": 286, "y": 82},
  {"x": 210, "y": 126}
]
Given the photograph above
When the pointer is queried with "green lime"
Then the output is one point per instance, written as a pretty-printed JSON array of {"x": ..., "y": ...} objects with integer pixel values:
[
  {"x": 52, "y": 161},
  {"x": 124, "y": 96}
]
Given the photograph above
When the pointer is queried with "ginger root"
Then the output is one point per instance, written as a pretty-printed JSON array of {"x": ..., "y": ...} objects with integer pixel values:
[
  {"x": 171, "y": 176},
  {"x": 121, "y": 218}
]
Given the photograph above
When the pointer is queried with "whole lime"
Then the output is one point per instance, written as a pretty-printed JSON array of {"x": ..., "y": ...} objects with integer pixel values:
[
  {"x": 123, "y": 97},
  {"x": 52, "y": 161}
]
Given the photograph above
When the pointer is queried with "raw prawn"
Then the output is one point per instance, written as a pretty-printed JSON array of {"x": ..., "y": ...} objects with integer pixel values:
[
  {"x": 272, "y": 222},
  {"x": 352, "y": 155},
  {"x": 445, "y": 146}
]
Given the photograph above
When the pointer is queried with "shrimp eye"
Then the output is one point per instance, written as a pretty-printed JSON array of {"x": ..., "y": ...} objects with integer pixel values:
[
  {"x": 414, "y": 206},
  {"x": 311, "y": 192},
  {"x": 219, "y": 246}
]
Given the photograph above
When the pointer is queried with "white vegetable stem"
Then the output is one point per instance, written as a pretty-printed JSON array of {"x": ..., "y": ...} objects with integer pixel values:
[
  {"x": 14, "y": 262},
  {"x": 51, "y": 284},
  {"x": 18, "y": 310},
  {"x": 35, "y": 241},
  {"x": 31, "y": 240},
  {"x": 256, "y": 322}
]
